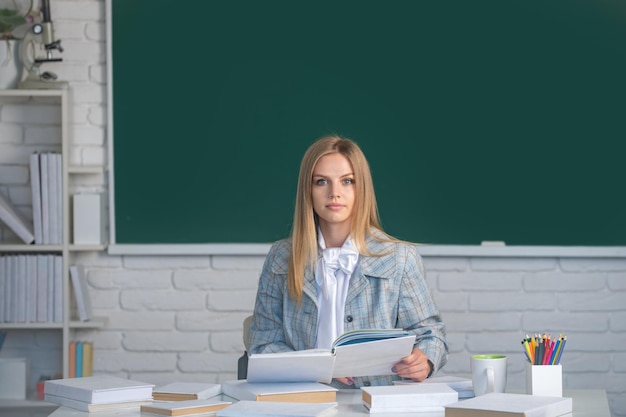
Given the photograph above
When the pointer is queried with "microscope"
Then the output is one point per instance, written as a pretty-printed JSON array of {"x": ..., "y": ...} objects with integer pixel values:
[{"x": 40, "y": 36}]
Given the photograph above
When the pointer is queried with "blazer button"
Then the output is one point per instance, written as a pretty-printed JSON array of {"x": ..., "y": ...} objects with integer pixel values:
[{"x": 349, "y": 319}]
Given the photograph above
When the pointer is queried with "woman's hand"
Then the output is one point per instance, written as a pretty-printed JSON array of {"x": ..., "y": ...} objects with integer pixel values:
[
  {"x": 415, "y": 366},
  {"x": 346, "y": 380}
]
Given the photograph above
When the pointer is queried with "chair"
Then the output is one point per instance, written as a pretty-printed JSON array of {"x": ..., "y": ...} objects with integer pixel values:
[{"x": 242, "y": 363}]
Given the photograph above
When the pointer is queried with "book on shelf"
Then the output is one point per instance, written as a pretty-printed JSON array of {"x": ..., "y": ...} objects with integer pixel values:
[
  {"x": 20, "y": 300},
  {"x": 3, "y": 279},
  {"x": 182, "y": 391},
  {"x": 81, "y": 292},
  {"x": 14, "y": 220},
  {"x": 87, "y": 358},
  {"x": 45, "y": 197},
  {"x": 91, "y": 407},
  {"x": 408, "y": 398},
  {"x": 53, "y": 197},
  {"x": 9, "y": 282},
  {"x": 100, "y": 389},
  {"x": 311, "y": 392},
  {"x": 367, "y": 352},
  {"x": 80, "y": 359},
  {"x": 35, "y": 188},
  {"x": 31, "y": 288},
  {"x": 57, "y": 272},
  {"x": 510, "y": 405},
  {"x": 51, "y": 285},
  {"x": 50, "y": 166},
  {"x": 12, "y": 291},
  {"x": 183, "y": 408},
  {"x": 59, "y": 202},
  {"x": 277, "y": 409},
  {"x": 42, "y": 288},
  {"x": 71, "y": 357},
  {"x": 463, "y": 386}
]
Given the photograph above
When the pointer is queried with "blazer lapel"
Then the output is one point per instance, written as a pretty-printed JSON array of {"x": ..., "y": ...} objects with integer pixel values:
[
  {"x": 371, "y": 267},
  {"x": 310, "y": 288}
]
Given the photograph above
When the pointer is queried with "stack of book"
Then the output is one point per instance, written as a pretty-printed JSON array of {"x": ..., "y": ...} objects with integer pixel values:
[
  {"x": 408, "y": 398},
  {"x": 278, "y": 409},
  {"x": 463, "y": 386},
  {"x": 185, "y": 391},
  {"x": 98, "y": 393},
  {"x": 308, "y": 392}
]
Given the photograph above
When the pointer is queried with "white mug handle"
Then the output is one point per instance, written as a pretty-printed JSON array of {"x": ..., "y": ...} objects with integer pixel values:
[{"x": 490, "y": 379}]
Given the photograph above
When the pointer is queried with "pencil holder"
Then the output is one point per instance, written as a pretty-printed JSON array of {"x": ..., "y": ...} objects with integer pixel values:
[{"x": 546, "y": 380}]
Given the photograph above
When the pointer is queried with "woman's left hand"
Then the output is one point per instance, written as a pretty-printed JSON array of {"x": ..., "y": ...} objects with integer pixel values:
[{"x": 415, "y": 366}]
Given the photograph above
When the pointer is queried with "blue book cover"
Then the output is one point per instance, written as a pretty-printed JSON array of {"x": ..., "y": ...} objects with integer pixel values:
[{"x": 79, "y": 359}]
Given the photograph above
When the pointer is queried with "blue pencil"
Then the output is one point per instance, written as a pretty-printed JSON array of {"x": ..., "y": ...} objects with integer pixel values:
[
  {"x": 557, "y": 345},
  {"x": 558, "y": 359}
]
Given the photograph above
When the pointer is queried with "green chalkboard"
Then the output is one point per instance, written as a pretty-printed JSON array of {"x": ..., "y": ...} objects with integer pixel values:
[{"x": 482, "y": 120}]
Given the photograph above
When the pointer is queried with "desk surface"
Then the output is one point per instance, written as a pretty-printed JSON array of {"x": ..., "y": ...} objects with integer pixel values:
[{"x": 587, "y": 403}]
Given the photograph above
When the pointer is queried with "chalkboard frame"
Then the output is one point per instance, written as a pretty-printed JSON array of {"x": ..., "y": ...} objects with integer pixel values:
[{"x": 259, "y": 248}]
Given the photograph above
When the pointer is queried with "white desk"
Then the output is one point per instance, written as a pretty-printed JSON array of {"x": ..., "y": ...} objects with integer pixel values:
[{"x": 587, "y": 403}]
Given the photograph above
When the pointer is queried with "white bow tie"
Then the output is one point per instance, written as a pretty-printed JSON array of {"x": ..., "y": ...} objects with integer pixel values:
[{"x": 342, "y": 259}]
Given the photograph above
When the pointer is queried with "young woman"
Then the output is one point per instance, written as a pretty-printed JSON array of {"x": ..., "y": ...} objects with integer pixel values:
[{"x": 339, "y": 271}]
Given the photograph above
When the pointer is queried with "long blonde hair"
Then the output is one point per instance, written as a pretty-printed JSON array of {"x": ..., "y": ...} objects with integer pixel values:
[{"x": 304, "y": 232}]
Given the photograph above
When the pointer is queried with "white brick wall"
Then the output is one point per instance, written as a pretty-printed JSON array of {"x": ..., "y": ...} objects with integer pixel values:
[{"x": 180, "y": 317}]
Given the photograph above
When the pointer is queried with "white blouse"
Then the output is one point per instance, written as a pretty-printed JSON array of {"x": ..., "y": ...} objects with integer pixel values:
[{"x": 333, "y": 273}]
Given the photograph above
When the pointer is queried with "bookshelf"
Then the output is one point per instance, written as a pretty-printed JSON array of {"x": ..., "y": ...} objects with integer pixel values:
[{"x": 18, "y": 118}]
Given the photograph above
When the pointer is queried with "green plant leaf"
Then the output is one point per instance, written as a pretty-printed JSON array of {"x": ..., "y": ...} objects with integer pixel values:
[{"x": 9, "y": 20}]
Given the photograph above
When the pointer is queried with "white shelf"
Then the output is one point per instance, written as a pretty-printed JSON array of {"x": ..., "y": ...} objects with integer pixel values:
[
  {"x": 16, "y": 247},
  {"x": 86, "y": 169},
  {"x": 31, "y": 326},
  {"x": 67, "y": 250},
  {"x": 94, "y": 323},
  {"x": 87, "y": 248},
  {"x": 33, "y": 93}
]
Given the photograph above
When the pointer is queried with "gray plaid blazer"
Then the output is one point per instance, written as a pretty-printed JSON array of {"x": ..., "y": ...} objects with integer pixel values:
[{"x": 389, "y": 291}]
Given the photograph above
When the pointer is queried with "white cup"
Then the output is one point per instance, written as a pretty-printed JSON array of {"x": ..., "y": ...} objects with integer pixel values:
[{"x": 488, "y": 373}]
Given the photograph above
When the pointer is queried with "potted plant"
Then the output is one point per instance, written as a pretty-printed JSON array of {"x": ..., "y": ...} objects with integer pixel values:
[{"x": 11, "y": 20}]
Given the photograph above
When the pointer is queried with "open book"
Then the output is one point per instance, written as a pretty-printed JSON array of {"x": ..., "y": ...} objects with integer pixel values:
[{"x": 365, "y": 352}]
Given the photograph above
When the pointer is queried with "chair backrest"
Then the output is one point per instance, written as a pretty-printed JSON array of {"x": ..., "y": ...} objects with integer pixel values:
[
  {"x": 242, "y": 363},
  {"x": 246, "y": 331}
]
